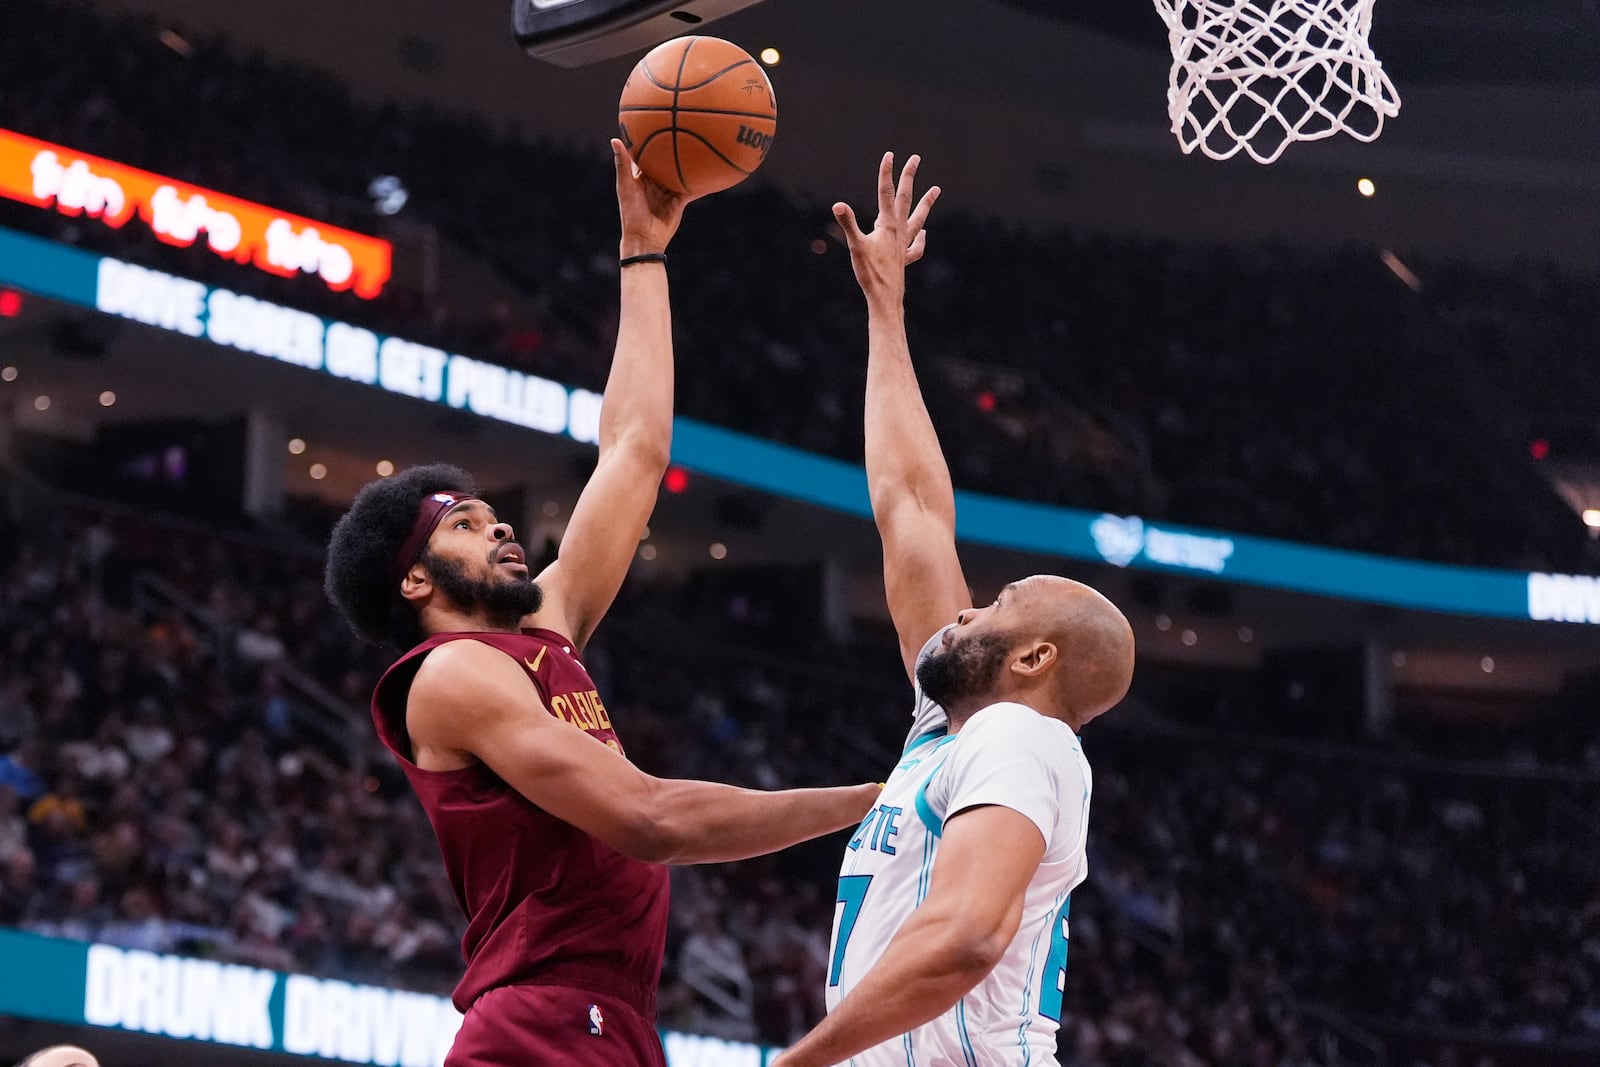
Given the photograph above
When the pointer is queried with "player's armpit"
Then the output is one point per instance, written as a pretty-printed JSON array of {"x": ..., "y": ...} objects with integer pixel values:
[{"x": 922, "y": 576}]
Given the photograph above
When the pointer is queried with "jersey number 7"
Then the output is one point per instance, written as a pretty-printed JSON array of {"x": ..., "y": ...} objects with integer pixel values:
[{"x": 852, "y": 892}]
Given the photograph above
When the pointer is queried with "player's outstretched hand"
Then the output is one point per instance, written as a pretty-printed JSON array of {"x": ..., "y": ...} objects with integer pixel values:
[
  {"x": 650, "y": 213},
  {"x": 898, "y": 236}
]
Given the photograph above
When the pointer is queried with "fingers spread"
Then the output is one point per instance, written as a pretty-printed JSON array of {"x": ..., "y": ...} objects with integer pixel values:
[
  {"x": 919, "y": 245},
  {"x": 908, "y": 181},
  {"x": 919, "y": 217},
  {"x": 847, "y": 222}
]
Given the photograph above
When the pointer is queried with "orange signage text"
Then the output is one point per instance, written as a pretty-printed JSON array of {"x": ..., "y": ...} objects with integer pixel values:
[{"x": 50, "y": 176}]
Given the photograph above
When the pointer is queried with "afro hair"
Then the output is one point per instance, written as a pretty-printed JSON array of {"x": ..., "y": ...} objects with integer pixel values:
[{"x": 360, "y": 577}]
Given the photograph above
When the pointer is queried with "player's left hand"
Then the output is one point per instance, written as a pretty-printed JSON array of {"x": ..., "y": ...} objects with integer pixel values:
[
  {"x": 650, "y": 213},
  {"x": 897, "y": 238}
]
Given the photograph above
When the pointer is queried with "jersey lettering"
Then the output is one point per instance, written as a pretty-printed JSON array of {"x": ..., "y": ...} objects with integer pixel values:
[
  {"x": 861, "y": 831},
  {"x": 880, "y": 824},
  {"x": 852, "y": 894}
]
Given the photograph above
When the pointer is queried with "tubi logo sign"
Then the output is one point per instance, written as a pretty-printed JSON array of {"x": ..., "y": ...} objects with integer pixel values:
[
  {"x": 49, "y": 176},
  {"x": 1121, "y": 540}
]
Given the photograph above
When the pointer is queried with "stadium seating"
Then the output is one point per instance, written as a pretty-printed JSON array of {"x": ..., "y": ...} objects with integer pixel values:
[
  {"x": 1307, "y": 396},
  {"x": 161, "y": 787}
]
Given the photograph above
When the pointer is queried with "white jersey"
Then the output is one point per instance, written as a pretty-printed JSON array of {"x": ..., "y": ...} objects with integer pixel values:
[{"x": 1009, "y": 755}]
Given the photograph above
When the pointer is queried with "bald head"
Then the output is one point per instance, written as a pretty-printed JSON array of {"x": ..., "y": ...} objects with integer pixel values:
[
  {"x": 1053, "y": 644},
  {"x": 1093, "y": 640},
  {"x": 60, "y": 1056}
]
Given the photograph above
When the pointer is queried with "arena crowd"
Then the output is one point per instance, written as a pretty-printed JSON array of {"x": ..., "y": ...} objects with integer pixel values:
[
  {"x": 1297, "y": 394},
  {"x": 161, "y": 787}
]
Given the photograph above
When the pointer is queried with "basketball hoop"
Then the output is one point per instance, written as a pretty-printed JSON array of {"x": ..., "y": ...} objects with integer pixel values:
[{"x": 1258, "y": 75}]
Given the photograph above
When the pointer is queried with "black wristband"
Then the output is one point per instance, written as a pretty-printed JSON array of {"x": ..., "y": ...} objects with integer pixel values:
[{"x": 648, "y": 257}]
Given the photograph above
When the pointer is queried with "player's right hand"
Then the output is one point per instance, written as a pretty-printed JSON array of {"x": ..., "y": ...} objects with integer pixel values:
[
  {"x": 898, "y": 237},
  {"x": 650, "y": 213}
]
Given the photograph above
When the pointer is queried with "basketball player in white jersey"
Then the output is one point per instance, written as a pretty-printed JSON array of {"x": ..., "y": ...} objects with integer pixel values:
[{"x": 950, "y": 934}]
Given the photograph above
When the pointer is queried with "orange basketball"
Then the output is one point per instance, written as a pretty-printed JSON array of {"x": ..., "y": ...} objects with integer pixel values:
[{"x": 698, "y": 115}]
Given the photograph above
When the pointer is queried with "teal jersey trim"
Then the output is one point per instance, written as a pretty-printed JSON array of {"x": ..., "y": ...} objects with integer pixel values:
[
  {"x": 928, "y": 852},
  {"x": 925, "y": 810},
  {"x": 1028, "y": 982},
  {"x": 922, "y": 739},
  {"x": 966, "y": 1039}
]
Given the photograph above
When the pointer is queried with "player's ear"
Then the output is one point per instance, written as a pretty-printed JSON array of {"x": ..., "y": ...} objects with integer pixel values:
[
  {"x": 1036, "y": 659},
  {"x": 416, "y": 585}
]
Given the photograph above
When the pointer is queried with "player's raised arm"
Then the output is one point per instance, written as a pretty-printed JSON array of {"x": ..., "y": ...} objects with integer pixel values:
[
  {"x": 635, "y": 420},
  {"x": 913, "y": 501},
  {"x": 474, "y": 701}
]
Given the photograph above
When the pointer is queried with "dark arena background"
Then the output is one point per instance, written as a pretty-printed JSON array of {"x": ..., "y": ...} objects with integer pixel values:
[{"x": 1328, "y": 431}]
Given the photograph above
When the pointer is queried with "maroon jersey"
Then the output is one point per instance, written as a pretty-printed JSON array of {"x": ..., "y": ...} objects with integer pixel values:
[{"x": 545, "y": 902}]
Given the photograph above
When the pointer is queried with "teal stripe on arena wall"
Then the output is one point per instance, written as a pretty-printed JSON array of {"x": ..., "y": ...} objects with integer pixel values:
[
  {"x": 72, "y": 275},
  {"x": 42, "y": 978},
  {"x": 1054, "y": 531},
  {"x": 47, "y": 268}
]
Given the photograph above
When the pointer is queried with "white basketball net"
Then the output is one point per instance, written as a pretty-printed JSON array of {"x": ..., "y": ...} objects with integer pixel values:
[{"x": 1257, "y": 75}]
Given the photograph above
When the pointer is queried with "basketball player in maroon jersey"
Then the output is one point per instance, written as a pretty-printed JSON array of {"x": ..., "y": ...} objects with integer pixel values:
[{"x": 553, "y": 841}]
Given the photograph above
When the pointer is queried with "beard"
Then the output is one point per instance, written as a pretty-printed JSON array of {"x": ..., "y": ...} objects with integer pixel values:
[
  {"x": 502, "y": 600},
  {"x": 969, "y": 669}
]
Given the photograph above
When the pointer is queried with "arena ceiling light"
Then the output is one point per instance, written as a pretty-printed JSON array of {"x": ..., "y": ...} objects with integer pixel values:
[{"x": 389, "y": 194}]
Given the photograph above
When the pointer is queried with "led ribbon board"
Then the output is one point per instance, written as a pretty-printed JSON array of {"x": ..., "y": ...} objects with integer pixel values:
[
  {"x": 228, "y": 1004},
  {"x": 287, "y": 335},
  {"x": 49, "y": 176}
]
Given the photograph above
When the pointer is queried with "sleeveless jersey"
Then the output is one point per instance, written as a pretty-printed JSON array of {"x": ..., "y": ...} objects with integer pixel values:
[
  {"x": 545, "y": 902},
  {"x": 1006, "y": 754}
]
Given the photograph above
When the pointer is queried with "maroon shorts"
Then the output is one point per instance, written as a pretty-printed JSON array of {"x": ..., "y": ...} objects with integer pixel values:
[{"x": 550, "y": 1026}]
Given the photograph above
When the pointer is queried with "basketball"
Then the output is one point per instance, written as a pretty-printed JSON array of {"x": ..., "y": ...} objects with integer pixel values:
[{"x": 698, "y": 115}]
